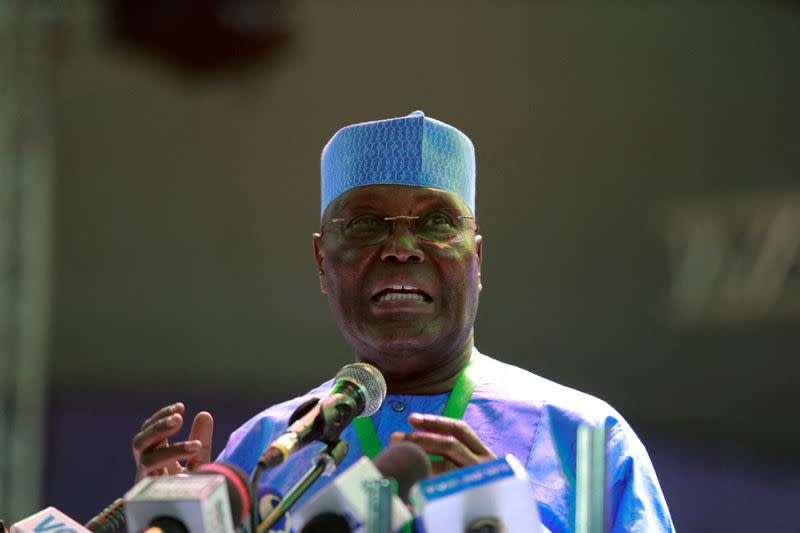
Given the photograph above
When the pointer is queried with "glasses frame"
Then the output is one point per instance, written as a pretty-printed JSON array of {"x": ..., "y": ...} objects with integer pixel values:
[{"x": 408, "y": 219}]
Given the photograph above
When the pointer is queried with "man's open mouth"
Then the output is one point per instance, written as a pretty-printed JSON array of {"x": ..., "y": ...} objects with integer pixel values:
[{"x": 401, "y": 293}]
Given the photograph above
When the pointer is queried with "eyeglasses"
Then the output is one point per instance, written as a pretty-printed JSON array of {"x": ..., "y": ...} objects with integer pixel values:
[{"x": 440, "y": 226}]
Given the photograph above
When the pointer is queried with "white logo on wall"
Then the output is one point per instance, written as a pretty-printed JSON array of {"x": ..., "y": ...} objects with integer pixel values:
[{"x": 734, "y": 260}]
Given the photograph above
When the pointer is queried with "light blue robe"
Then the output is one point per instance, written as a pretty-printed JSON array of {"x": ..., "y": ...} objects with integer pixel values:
[{"x": 512, "y": 411}]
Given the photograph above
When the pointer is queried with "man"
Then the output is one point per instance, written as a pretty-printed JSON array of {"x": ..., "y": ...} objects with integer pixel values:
[{"x": 399, "y": 259}]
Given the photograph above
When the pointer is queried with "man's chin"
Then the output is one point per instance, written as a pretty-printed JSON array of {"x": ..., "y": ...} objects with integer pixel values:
[
  {"x": 399, "y": 344},
  {"x": 401, "y": 347},
  {"x": 399, "y": 359}
]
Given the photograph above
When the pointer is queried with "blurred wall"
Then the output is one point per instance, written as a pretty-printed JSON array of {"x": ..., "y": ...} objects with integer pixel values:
[{"x": 184, "y": 206}]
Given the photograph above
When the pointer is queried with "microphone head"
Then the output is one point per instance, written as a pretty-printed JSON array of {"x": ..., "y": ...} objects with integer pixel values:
[
  {"x": 327, "y": 523},
  {"x": 486, "y": 524},
  {"x": 370, "y": 380},
  {"x": 406, "y": 463},
  {"x": 166, "y": 524},
  {"x": 238, "y": 492}
]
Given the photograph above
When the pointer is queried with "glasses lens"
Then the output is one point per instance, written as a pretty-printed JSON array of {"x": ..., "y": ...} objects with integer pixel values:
[
  {"x": 436, "y": 226},
  {"x": 367, "y": 229}
]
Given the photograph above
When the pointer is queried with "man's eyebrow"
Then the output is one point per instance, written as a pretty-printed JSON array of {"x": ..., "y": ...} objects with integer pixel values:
[
  {"x": 359, "y": 203},
  {"x": 438, "y": 201},
  {"x": 435, "y": 201}
]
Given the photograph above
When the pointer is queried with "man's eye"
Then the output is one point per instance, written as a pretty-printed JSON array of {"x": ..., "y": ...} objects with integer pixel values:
[
  {"x": 437, "y": 219},
  {"x": 364, "y": 222}
]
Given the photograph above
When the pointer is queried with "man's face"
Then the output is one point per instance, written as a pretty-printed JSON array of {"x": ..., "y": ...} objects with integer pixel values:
[{"x": 405, "y": 304}]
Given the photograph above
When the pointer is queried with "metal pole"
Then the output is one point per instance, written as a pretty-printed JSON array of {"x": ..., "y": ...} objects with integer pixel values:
[{"x": 26, "y": 170}]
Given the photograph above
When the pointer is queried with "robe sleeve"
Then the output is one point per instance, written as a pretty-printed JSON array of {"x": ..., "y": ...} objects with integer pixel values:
[{"x": 635, "y": 500}]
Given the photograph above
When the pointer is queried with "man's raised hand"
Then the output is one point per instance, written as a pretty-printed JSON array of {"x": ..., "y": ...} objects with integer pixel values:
[
  {"x": 155, "y": 455},
  {"x": 451, "y": 439}
]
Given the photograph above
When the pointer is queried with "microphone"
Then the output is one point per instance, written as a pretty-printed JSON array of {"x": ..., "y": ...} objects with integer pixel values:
[
  {"x": 490, "y": 497},
  {"x": 406, "y": 463},
  {"x": 212, "y": 499},
  {"x": 166, "y": 525},
  {"x": 50, "y": 519},
  {"x": 110, "y": 519},
  {"x": 486, "y": 525},
  {"x": 327, "y": 523},
  {"x": 347, "y": 498},
  {"x": 358, "y": 390}
]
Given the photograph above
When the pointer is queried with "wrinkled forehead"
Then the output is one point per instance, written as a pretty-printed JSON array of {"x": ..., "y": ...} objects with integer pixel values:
[{"x": 393, "y": 200}]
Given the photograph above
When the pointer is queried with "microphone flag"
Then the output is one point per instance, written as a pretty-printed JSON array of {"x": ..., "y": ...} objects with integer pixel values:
[
  {"x": 50, "y": 519},
  {"x": 201, "y": 503},
  {"x": 497, "y": 490},
  {"x": 347, "y": 496}
]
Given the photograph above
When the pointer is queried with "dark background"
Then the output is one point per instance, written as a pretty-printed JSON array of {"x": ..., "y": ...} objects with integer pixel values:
[{"x": 187, "y": 190}]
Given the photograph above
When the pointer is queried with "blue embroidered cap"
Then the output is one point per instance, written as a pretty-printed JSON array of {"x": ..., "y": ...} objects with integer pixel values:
[{"x": 414, "y": 150}]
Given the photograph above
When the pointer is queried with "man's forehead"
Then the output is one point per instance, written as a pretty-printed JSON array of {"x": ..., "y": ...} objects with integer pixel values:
[{"x": 397, "y": 197}]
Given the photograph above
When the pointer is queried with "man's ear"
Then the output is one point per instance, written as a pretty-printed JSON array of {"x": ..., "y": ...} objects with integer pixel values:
[
  {"x": 479, "y": 255},
  {"x": 319, "y": 256}
]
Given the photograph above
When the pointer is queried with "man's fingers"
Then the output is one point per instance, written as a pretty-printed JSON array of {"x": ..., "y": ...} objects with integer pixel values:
[
  {"x": 449, "y": 438},
  {"x": 202, "y": 428},
  {"x": 165, "y": 412},
  {"x": 157, "y": 432},
  {"x": 142, "y": 472},
  {"x": 154, "y": 454},
  {"x": 173, "y": 468},
  {"x": 202, "y": 431},
  {"x": 441, "y": 467},
  {"x": 449, "y": 426},
  {"x": 447, "y": 446},
  {"x": 168, "y": 456}
]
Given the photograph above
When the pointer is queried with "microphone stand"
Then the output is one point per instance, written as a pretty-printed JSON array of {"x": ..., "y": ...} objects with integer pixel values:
[
  {"x": 262, "y": 466},
  {"x": 325, "y": 462}
]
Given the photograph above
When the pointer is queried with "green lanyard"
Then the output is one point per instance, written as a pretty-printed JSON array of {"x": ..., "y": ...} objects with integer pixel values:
[{"x": 454, "y": 408}]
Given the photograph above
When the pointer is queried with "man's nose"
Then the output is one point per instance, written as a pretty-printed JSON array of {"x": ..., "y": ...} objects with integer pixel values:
[{"x": 402, "y": 245}]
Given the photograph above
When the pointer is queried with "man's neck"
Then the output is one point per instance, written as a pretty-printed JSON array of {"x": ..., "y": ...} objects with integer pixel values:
[{"x": 431, "y": 380}]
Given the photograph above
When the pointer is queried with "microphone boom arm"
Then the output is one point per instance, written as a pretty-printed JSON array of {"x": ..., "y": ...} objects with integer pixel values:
[{"x": 326, "y": 461}]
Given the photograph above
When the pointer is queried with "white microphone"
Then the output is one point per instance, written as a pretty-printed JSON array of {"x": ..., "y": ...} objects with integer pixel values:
[
  {"x": 199, "y": 502},
  {"x": 346, "y": 496},
  {"x": 50, "y": 519},
  {"x": 489, "y": 497}
]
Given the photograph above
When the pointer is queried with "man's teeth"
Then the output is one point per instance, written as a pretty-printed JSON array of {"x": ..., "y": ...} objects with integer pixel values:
[
  {"x": 390, "y": 296},
  {"x": 403, "y": 287}
]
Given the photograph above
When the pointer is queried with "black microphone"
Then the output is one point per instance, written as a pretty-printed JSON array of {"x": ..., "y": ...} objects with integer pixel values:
[
  {"x": 358, "y": 390},
  {"x": 109, "y": 520},
  {"x": 406, "y": 463},
  {"x": 327, "y": 523}
]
